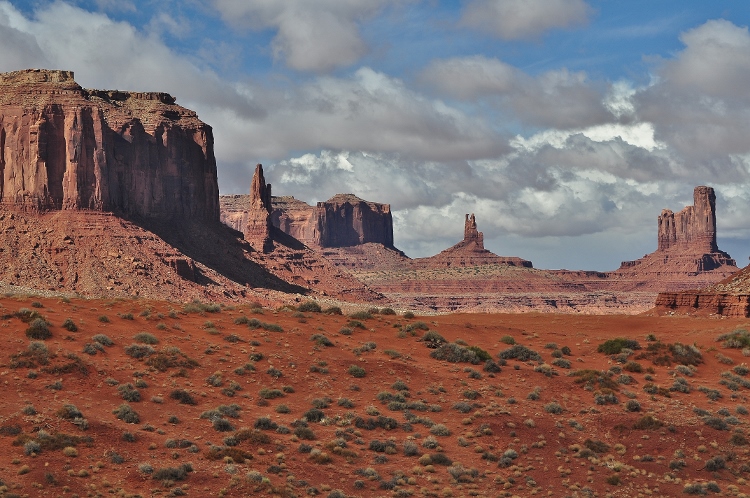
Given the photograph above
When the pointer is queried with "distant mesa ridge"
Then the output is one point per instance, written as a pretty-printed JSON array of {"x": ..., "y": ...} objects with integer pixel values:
[{"x": 136, "y": 154}]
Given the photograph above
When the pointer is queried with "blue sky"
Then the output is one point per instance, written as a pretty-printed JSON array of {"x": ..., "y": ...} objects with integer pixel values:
[{"x": 565, "y": 125}]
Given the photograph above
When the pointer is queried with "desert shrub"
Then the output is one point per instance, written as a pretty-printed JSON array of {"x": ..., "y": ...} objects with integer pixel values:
[
  {"x": 103, "y": 340},
  {"x": 382, "y": 446},
  {"x": 139, "y": 351},
  {"x": 145, "y": 338},
  {"x": 605, "y": 398},
  {"x": 440, "y": 459},
  {"x": 454, "y": 353},
  {"x": 685, "y": 355},
  {"x": 92, "y": 348},
  {"x": 553, "y": 408},
  {"x": 716, "y": 423},
  {"x": 345, "y": 331},
  {"x": 632, "y": 406},
  {"x": 561, "y": 363},
  {"x": 480, "y": 353},
  {"x": 361, "y": 315},
  {"x": 129, "y": 393},
  {"x": 222, "y": 425},
  {"x": 314, "y": 415},
  {"x": 266, "y": 424},
  {"x": 356, "y": 371},
  {"x": 104, "y": 319},
  {"x": 333, "y": 310},
  {"x": 648, "y": 423},
  {"x": 596, "y": 446},
  {"x": 520, "y": 353},
  {"x": 633, "y": 367},
  {"x": 267, "y": 393},
  {"x": 320, "y": 403},
  {"x": 356, "y": 324},
  {"x": 183, "y": 397},
  {"x": 440, "y": 430},
  {"x": 321, "y": 340},
  {"x": 172, "y": 473},
  {"x": 170, "y": 357},
  {"x": 309, "y": 307},
  {"x": 125, "y": 413},
  {"x": 739, "y": 339},
  {"x": 715, "y": 464},
  {"x": 38, "y": 330},
  {"x": 387, "y": 311},
  {"x": 70, "y": 325},
  {"x": 615, "y": 346},
  {"x": 432, "y": 339},
  {"x": 304, "y": 433}
]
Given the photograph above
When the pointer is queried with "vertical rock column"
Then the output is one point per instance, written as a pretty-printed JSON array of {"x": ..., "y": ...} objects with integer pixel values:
[{"x": 258, "y": 230}]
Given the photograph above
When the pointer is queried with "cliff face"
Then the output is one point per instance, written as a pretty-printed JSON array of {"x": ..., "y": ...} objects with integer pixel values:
[
  {"x": 346, "y": 220},
  {"x": 692, "y": 228},
  {"x": 63, "y": 147},
  {"x": 686, "y": 241}
]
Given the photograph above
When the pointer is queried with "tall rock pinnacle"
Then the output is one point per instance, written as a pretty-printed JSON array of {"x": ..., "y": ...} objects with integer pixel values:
[{"x": 258, "y": 230}]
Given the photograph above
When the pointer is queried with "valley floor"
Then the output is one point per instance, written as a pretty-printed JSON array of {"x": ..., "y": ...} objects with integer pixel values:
[{"x": 132, "y": 397}]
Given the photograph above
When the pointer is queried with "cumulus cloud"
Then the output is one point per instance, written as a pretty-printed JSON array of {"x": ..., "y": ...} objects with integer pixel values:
[
  {"x": 366, "y": 111},
  {"x": 699, "y": 104},
  {"x": 559, "y": 98},
  {"x": 310, "y": 36},
  {"x": 520, "y": 19}
]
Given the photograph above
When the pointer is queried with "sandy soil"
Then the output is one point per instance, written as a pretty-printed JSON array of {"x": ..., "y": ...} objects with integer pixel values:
[{"x": 529, "y": 429}]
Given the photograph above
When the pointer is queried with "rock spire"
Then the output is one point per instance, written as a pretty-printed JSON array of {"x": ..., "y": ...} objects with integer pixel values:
[{"x": 259, "y": 226}]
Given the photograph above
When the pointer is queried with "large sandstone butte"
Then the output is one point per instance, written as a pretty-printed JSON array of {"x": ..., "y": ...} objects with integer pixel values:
[
  {"x": 133, "y": 153},
  {"x": 112, "y": 193},
  {"x": 686, "y": 247},
  {"x": 344, "y": 220}
]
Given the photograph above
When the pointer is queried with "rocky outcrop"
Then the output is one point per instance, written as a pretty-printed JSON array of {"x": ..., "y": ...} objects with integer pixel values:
[
  {"x": 469, "y": 252},
  {"x": 344, "y": 220},
  {"x": 258, "y": 228},
  {"x": 137, "y": 154},
  {"x": 693, "y": 228},
  {"x": 686, "y": 241}
]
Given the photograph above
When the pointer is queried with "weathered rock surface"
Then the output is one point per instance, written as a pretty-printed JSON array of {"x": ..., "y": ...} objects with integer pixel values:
[
  {"x": 686, "y": 242},
  {"x": 469, "y": 252},
  {"x": 258, "y": 228},
  {"x": 133, "y": 153},
  {"x": 344, "y": 220}
]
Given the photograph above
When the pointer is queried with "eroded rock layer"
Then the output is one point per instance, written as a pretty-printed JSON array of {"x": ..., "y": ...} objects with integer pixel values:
[
  {"x": 133, "y": 153},
  {"x": 344, "y": 220}
]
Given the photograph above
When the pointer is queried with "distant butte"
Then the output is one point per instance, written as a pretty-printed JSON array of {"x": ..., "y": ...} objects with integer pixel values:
[{"x": 469, "y": 252}]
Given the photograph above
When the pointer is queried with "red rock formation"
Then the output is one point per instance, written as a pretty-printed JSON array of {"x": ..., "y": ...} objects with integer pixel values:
[
  {"x": 693, "y": 228},
  {"x": 344, "y": 220},
  {"x": 135, "y": 154},
  {"x": 258, "y": 228},
  {"x": 469, "y": 252},
  {"x": 686, "y": 242}
]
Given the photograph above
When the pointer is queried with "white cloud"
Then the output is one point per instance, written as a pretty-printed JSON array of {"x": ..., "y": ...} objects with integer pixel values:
[
  {"x": 519, "y": 19},
  {"x": 559, "y": 98},
  {"x": 310, "y": 36}
]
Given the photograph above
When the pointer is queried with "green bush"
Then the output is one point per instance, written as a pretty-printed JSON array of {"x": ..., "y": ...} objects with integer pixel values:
[
  {"x": 361, "y": 315},
  {"x": 103, "y": 340},
  {"x": 38, "y": 330},
  {"x": 309, "y": 307},
  {"x": 520, "y": 353},
  {"x": 125, "y": 413},
  {"x": 70, "y": 325},
  {"x": 615, "y": 346},
  {"x": 356, "y": 371}
]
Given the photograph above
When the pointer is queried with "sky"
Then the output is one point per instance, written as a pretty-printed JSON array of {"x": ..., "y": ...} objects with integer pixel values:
[{"x": 565, "y": 125}]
